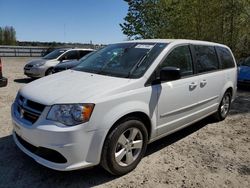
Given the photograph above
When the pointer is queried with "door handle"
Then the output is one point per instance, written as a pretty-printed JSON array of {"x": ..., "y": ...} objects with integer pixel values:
[
  {"x": 192, "y": 86},
  {"x": 203, "y": 83}
]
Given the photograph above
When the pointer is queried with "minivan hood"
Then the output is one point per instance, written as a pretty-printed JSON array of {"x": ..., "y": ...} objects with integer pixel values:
[{"x": 70, "y": 87}]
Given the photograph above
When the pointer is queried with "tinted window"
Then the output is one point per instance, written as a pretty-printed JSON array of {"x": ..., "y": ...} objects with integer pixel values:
[
  {"x": 206, "y": 58},
  {"x": 83, "y": 53},
  {"x": 226, "y": 58},
  {"x": 181, "y": 58},
  {"x": 73, "y": 54}
]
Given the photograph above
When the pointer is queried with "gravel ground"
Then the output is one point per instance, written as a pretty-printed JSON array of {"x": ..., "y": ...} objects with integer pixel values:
[{"x": 206, "y": 154}]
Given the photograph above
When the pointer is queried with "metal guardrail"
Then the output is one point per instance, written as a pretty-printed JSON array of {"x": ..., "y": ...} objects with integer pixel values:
[
  {"x": 31, "y": 51},
  {"x": 21, "y": 51}
]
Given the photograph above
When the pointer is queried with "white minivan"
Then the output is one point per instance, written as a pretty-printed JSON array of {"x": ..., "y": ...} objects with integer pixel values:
[{"x": 126, "y": 95}]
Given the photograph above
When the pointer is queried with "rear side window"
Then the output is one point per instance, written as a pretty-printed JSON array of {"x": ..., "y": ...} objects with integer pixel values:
[
  {"x": 181, "y": 58},
  {"x": 206, "y": 58},
  {"x": 226, "y": 58}
]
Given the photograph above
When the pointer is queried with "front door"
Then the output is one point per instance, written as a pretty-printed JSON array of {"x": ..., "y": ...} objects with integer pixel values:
[{"x": 177, "y": 99}]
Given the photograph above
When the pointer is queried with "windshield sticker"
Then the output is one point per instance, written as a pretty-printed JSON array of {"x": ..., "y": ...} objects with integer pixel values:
[{"x": 144, "y": 46}]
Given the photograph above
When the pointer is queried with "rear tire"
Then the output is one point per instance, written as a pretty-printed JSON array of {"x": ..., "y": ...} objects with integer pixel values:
[
  {"x": 124, "y": 147},
  {"x": 224, "y": 107}
]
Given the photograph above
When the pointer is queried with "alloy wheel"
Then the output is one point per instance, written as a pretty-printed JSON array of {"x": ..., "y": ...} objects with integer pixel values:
[{"x": 128, "y": 146}]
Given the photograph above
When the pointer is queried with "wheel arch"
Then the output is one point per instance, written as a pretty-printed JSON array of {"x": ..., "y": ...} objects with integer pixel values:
[
  {"x": 48, "y": 69},
  {"x": 143, "y": 117},
  {"x": 105, "y": 157},
  {"x": 230, "y": 90},
  {"x": 228, "y": 87}
]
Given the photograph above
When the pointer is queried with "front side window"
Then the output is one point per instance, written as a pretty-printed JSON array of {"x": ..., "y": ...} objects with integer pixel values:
[
  {"x": 206, "y": 58},
  {"x": 226, "y": 58},
  {"x": 55, "y": 54},
  {"x": 70, "y": 55},
  {"x": 181, "y": 58},
  {"x": 127, "y": 60}
]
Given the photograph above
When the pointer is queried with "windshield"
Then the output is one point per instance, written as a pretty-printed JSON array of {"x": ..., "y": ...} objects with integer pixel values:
[
  {"x": 55, "y": 54},
  {"x": 246, "y": 62},
  {"x": 127, "y": 60}
]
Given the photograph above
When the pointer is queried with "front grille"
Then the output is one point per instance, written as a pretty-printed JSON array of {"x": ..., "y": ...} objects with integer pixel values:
[
  {"x": 27, "y": 115},
  {"x": 35, "y": 105},
  {"x": 21, "y": 98},
  {"x": 28, "y": 110},
  {"x": 48, "y": 154}
]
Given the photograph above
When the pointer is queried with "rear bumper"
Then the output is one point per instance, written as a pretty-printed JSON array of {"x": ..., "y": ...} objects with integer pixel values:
[{"x": 3, "y": 82}]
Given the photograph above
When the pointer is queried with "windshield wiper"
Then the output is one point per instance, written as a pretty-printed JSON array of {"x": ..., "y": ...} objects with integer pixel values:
[{"x": 139, "y": 62}]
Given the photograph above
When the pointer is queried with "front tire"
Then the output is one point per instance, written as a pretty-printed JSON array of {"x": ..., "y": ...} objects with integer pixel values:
[
  {"x": 224, "y": 107},
  {"x": 124, "y": 147},
  {"x": 49, "y": 72}
]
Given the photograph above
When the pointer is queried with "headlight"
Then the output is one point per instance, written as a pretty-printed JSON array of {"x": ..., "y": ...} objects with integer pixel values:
[
  {"x": 39, "y": 64},
  {"x": 70, "y": 114}
]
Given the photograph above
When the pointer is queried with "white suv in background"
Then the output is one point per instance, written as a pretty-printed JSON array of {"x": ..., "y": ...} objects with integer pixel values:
[
  {"x": 121, "y": 98},
  {"x": 42, "y": 67}
]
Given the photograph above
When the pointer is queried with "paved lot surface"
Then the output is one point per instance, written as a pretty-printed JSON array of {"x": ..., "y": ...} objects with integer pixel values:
[{"x": 206, "y": 154}]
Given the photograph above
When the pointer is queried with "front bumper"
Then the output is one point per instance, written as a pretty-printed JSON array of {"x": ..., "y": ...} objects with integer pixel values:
[
  {"x": 80, "y": 148},
  {"x": 3, "y": 82},
  {"x": 35, "y": 72}
]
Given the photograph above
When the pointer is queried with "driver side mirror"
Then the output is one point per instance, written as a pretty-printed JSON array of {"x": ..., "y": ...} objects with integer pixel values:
[{"x": 170, "y": 73}]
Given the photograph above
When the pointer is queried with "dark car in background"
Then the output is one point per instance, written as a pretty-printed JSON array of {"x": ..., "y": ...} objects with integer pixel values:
[
  {"x": 244, "y": 72},
  {"x": 70, "y": 64},
  {"x": 3, "y": 80}
]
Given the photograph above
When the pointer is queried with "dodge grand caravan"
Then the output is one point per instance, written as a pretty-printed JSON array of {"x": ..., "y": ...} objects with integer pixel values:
[{"x": 121, "y": 98}]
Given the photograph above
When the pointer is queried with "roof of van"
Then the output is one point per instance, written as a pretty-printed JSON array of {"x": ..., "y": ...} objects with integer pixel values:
[{"x": 176, "y": 41}]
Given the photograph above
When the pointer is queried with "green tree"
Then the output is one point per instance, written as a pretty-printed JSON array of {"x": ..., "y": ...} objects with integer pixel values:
[
  {"x": 7, "y": 35},
  {"x": 223, "y": 21}
]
